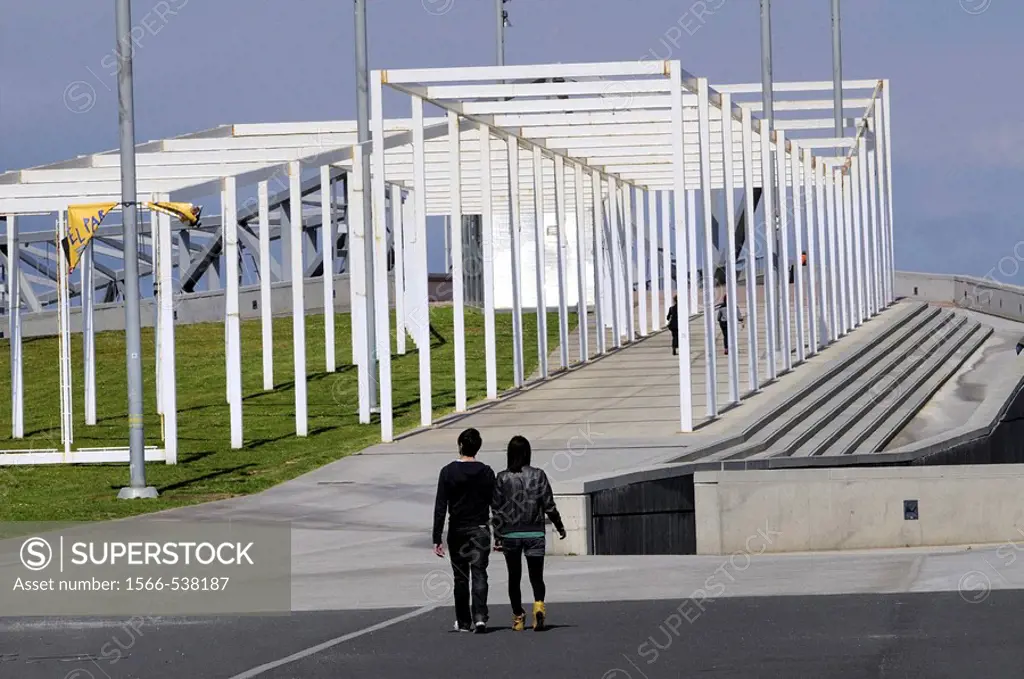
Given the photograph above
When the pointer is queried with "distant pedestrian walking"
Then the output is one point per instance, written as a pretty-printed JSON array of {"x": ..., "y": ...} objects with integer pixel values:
[
  {"x": 522, "y": 497},
  {"x": 465, "y": 488},
  {"x": 723, "y": 321},
  {"x": 673, "y": 323}
]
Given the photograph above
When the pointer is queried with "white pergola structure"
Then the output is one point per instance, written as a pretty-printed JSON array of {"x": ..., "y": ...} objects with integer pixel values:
[
  {"x": 561, "y": 148},
  {"x": 595, "y": 144}
]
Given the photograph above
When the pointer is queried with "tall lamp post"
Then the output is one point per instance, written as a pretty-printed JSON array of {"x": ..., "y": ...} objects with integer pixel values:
[
  {"x": 133, "y": 340},
  {"x": 837, "y": 70},
  {"x": 503, "y": 22},
  {"x": 768, "y": 98},
  {"x": 363, "y": 127}
]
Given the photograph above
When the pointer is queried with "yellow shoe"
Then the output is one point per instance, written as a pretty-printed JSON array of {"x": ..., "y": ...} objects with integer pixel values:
[
  {"x": 519, "y": 622},
  {"x": 539, "y": 614}
]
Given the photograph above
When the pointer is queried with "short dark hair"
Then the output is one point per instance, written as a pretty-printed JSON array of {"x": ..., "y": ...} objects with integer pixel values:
[
  {"x": 470, "y": 442},
  {"x": 518, "y": 453}
]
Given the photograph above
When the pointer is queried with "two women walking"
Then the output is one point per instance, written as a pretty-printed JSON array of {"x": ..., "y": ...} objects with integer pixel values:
[{"x": 518, "y": 500}]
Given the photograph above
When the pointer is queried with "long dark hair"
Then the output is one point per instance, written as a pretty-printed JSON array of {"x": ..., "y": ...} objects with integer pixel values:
[{"x": 518, "y": 453}]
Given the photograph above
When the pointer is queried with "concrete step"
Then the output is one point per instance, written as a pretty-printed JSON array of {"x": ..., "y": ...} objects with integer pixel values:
[
  {"x": 908, "y": 402},
  {"x": 832, "y": 399},
  {"x": 859, "y": 399},
  {"x": 784, "y": 418}
]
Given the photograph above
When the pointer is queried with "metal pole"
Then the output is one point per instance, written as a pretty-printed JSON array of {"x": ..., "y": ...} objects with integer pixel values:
[
  {"x": 837, "y": 70},
  {"x": 766, "y": 61},
  {"x": 133, "y": 339},
  {"x": 363, "y": 108},
  {"x": 767, "y": 98},
  {"x": 500, "y": 5}
]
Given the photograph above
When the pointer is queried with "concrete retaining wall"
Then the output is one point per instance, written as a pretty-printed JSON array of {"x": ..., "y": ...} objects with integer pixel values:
[
  {"x": 834, "y": 509},
  {"x": 977, "y": 294}
]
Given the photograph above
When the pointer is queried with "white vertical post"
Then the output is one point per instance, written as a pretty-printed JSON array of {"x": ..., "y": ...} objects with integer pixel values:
[
  {"x": 298, "y": 297},
  {"x": 835, "y": 257},
  {"x": 327, "y": 263},
  {"x": 812, "y": 259},
  {"x": 888, "y": 238},
  {"x": 690, "y": 270},
  {"x": 851, "y": 293},
  {"x": 157, "y": 365},
  {"x": 858, "y": 238},
  {"x": 653, "y": 226},
  {"x": 628, "y": 261},
  {"x": 641, "y": 256},
  {"x": 266, "y": 313},
  {"x": 798, "y": 264},
  {"x": 597, "y": 210},
  {"x": 413, "y": 295},
  {"x": 67, "y": 422},
  {"x": 515, "y": 225},
  {"x": 666, "y": 253},
  {"x": 866, "y": 220},
  {"x": 582, "y": 322},
  {"x": 877, "y": 252},
  {"x": 14, "y": 319},
  {"x": 827, "y": 266},
  {"x": 865, "y": 230},
  {"x": 840, "y": 247},
  {"x": 398, "y": 240},
  {"x": 356, "y": 264},
  {"x": 710, "y": 360},
  {"x": 89, "y": 330},
  {"x": 753, "y": 376},
  {"x": 560, "y": 245},
  {"x": 771, "y": 320},
  {"x": 881, "y": 143},
  {"x": 783, "y": 209},
  {"x": 380, "y": 269},
  {"x": 457, "y": 261},
  {"x": 540, "y": 238},
  {"x": 487, "y": 245},
  {"x": 229, "y": 210},
  {"x": 679, "y": 195},
  {"x": 421, "y": 315},
  {"x": 162, "y": 224},
  {"x": 730, "y": 255},
  {"x": 616, "y": 250}
]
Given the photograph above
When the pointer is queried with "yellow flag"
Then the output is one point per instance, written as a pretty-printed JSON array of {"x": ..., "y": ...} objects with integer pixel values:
[
  {"x": 83, "y": 220},
  {"x": 187, "y": 213}
]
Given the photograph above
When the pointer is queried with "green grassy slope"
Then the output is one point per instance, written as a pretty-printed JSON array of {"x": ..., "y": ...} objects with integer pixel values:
[{"x": 207, "y": 468}]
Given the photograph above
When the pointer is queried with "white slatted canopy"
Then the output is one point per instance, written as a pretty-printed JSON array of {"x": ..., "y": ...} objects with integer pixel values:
[{"x": 614, "y": 118}]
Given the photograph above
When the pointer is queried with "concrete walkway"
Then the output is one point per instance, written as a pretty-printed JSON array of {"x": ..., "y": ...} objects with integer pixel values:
[{"x": 361, "y": 525}]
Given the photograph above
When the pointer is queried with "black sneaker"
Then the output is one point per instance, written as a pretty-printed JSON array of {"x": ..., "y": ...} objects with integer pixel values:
[
  {"x": 462, "y": 627},
  {"x": 480, "y": 627}
]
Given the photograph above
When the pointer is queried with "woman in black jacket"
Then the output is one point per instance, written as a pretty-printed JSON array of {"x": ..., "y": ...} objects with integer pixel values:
[{"x": 522, "y": 497}]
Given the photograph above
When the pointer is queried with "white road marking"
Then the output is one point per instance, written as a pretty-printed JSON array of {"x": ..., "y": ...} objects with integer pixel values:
[{"x": 312, "y": 650}]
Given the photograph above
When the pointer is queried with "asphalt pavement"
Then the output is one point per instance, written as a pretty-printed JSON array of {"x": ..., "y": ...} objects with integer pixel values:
[{"x": 931, "y": 636}]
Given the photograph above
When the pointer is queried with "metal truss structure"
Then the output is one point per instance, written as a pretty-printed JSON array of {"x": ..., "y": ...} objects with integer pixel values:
[{"x": 542, "y": 154}]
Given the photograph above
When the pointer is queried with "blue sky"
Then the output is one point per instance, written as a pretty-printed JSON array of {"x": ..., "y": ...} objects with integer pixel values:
[{"x": 954, "y": 67}]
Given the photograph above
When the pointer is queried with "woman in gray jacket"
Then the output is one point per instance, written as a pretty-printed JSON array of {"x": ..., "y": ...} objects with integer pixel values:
[{"x": 522, "y": 497}]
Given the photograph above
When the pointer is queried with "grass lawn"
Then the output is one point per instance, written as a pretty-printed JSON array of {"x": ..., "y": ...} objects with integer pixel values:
[{"x": 207, "y": 468}]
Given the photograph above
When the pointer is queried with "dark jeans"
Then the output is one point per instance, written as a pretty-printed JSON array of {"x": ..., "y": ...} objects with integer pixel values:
[
  {"x": 675, "y": 338},
  {"x": 470, "y": 551},
  {"x": 724, "y": 326},
  {"x": 514, "y": 550}
]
